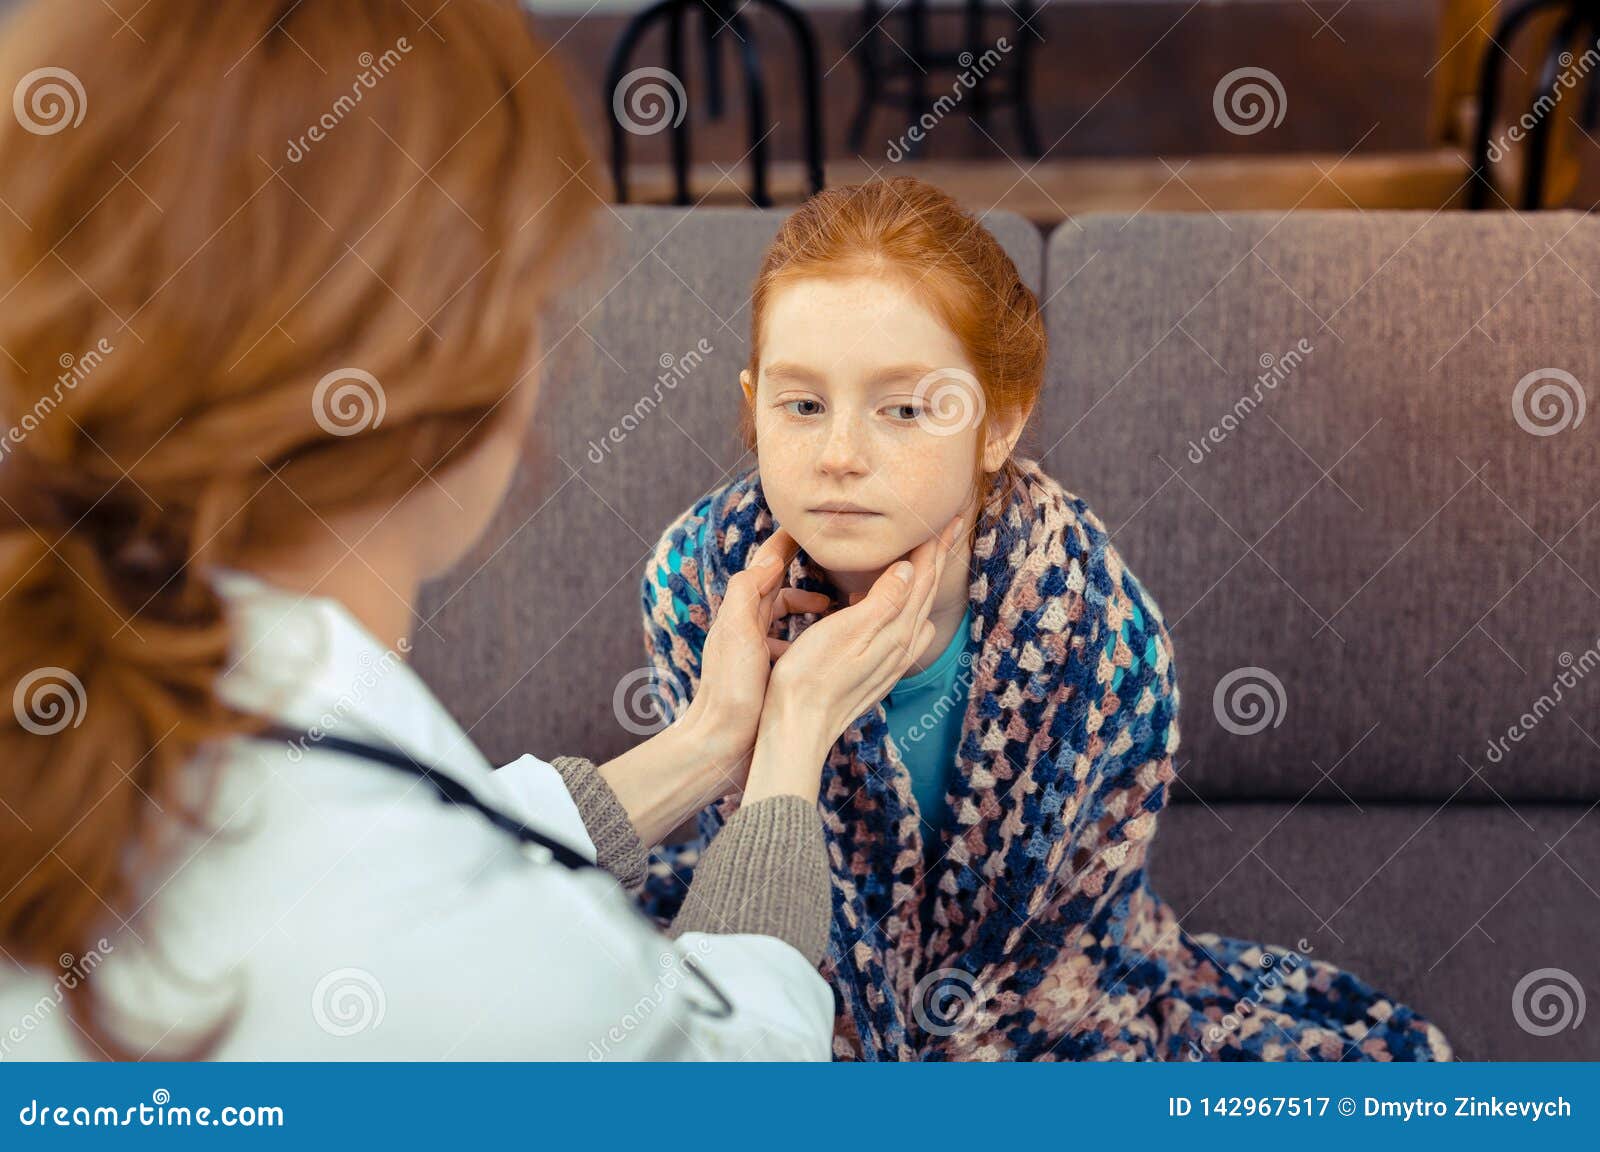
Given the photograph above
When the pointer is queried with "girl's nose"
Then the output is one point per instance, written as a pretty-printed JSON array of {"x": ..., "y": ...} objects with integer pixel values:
[{"x": 843, "y": 453}]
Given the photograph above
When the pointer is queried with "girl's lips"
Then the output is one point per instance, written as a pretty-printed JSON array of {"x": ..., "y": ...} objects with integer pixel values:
[
  {"x": 829, "y": 519},
  {"x": 847, "y": 517}
]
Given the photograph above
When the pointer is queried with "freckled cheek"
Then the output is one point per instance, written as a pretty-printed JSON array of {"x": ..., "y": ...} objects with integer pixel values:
[
  {"x": 787, "y": 469},
  {"x": 928, "y": 480}
]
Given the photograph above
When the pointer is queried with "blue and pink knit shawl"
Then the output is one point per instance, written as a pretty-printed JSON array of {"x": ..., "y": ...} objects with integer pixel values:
[{"x": 1046, "y": 940}]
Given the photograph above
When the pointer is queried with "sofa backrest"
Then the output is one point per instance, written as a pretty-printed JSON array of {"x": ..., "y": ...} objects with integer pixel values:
[
  {"x": 1374, "y": 553},
  {"x": 1377, "y": 551}
]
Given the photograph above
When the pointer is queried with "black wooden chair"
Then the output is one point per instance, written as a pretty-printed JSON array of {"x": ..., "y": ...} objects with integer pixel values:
[
  {"x": 912, "y": 63},
  {"x": 1579, "y": 28},
  {"x": 666, "y": 86}
]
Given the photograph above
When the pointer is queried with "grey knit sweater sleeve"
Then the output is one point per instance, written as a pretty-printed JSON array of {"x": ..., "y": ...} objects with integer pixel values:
[
  {"x": 765, "y": 872},
  {"x": 616, "y": 842}
]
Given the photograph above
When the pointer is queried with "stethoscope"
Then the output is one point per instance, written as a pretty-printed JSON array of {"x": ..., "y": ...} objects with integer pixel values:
[{"x": 536, "y": 844}]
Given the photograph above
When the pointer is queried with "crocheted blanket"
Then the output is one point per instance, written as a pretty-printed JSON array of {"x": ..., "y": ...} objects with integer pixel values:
[{"x": 1045, "y": 939}]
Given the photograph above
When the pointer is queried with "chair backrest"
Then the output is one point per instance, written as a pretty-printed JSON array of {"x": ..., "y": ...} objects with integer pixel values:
[
  {"x": 528, "y": 642},
  {"x": 1346, "y": 453}
]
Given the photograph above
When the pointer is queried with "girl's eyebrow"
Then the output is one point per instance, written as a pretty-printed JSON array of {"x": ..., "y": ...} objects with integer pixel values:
[{"x": 784, "y": 370}]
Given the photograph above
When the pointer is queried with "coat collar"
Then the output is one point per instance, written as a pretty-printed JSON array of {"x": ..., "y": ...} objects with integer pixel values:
[{"x": 306, "y": 662}]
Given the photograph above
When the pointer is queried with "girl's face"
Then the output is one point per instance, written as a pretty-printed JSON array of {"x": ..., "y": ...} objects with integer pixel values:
[{"x": 867, "y": 419}]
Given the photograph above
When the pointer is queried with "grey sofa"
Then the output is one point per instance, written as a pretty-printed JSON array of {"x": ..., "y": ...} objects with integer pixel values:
[{"x": 1373, "y": 536}]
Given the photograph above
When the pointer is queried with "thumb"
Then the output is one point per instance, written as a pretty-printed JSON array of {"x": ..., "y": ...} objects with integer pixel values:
[{"x": 889, "y": 593}]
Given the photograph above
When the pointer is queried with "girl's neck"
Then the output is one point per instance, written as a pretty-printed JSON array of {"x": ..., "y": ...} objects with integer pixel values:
[{"x": 950, "y": 598}]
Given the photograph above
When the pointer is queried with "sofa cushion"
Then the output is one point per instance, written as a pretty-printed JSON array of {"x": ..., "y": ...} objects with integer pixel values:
[{"x": 1444, "y": 907}]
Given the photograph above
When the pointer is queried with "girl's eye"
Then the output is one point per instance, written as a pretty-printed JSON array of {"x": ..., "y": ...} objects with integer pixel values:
[
  {"x": 905, "y": 411},
  {"x": 806, "y": 407}
]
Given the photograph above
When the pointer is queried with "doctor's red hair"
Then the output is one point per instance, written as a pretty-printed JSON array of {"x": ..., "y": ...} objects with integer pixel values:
[{"x": 210, "y": 209}]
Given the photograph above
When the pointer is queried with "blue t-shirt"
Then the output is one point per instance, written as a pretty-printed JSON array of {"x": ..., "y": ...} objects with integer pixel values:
[{"x": 925, "y": 711}]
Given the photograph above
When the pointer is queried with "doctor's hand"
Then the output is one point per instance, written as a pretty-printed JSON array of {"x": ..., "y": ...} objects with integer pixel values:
[
  {"x": 735, "y": 661},
  {"x": 840, "y": 667}
]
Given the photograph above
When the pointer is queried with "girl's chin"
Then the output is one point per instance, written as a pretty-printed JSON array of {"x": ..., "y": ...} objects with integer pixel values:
[{"x": 852, "y": 563}]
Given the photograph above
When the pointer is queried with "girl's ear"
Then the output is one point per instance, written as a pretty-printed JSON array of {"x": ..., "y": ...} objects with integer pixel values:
[
  {"x": 1001, "y": 434},
  {"x": 748, "y": 385}
]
